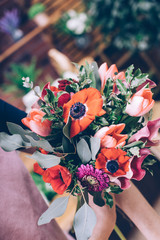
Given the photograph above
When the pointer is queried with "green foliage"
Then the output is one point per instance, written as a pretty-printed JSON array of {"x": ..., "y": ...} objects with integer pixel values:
[
  {"x": 109, "y": 199},
  {"x": 130, "y": 24},
  {"x": 20, "y": 70},
  {"x": 36, "y": 9}
]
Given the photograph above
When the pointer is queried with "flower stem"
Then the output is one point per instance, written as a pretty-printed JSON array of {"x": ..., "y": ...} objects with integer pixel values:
[{"x": 119, "y": 233}]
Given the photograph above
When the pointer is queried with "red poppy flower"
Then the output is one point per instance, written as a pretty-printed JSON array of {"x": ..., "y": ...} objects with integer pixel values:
[
  {"x": 58, "y": 176},
  {"x": 82, "y": 108},
  {"x": 113, "y": 161}
]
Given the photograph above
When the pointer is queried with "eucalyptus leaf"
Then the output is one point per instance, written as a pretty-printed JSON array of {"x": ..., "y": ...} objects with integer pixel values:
[
  {"x": 134, "y": 144},
  {"x": 95, "y": 146},
  {"x": 40, "y": 144},
  {"x": 16, "y": 129},
  {"x": 115, "y": 189},
  {"x": 67, "y": 145},
  {"x": 66, "y": 128},
  {"x": 84, "y": 222},
  {"x": 56, "y": 209},
  {"x": 96, "y": 74},
  {"x": 12, "y": 142},
  {"x": 83, "y": 151},
  {"x": 45, "y": 160}
]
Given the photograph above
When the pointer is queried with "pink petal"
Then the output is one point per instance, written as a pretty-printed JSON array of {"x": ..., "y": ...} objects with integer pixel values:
[
  {"x": 135, "y": 106},
  {"x": 102, "y": 71}
]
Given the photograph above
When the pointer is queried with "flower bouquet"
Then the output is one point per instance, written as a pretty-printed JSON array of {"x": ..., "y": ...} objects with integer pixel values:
[{"x": 90, "y": 137}]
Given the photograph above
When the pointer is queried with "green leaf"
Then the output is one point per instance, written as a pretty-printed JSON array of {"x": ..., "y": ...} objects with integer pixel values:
[
  {"x": 83, "y": 151},
  {"x": 121, "y": 87},
  {"x": 135, "y": 151},
  {"x": 84, "y": 222},
  {"x": 16, "y": 129},
  {"x": 134, "y": 144},
  {"x": 45, "y": 160},
  {"x": 97, "y": 198},
  {"x": 56, "y": 209},
  {"x": 49, "y": 97},
  {"x": 115, "y": 189},
  {"x": 108, "y": 89},
  {"x": 128, "y": 73},
  {"x": 40, "y": 144},
  {"x": 67, "y": 145},
  {"x": 12, "y": 142},
  {"x": 66, "y": 128},
  {"x": 96, "y": 75},
  {"x": 109, "y": 199},
  {"x": 95, "y": 146}
]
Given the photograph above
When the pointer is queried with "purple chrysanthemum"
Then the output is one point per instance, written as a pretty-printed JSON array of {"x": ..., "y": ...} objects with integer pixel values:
[{"x": 94, "y": 179}]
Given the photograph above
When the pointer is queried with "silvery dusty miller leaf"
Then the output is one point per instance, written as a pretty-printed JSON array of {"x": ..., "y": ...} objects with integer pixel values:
[{"x": 95, "y": 146}]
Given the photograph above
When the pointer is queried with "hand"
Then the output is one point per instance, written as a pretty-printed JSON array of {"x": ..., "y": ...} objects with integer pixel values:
[{"x": 106, "y": 219}]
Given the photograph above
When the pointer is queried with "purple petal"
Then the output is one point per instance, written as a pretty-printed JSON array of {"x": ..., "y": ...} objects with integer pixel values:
[
  {"x": 138, "y": 172},
  {"x": 148, "y": 81},
  {"x": 147, "y": 133}
]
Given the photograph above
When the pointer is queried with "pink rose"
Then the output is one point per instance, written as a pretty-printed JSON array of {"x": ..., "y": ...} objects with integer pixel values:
[
  {"x": 111, "y": 137},
  {"x": 147, "y": 133},
  {"x": 140, "y": 103},
  {"x": 106, "y": 73},
  {"x": 34, "y": 122}
]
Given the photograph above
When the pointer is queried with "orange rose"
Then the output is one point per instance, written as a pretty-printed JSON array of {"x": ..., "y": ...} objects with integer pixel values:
[
  {"x": 34, "y": 122},
  {"x": 140, "y": 103},
  {"x": 58, "y": 176},
  {"x": 111, "y": 137}
]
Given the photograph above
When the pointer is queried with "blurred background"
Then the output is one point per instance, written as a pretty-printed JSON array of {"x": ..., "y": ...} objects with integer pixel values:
[{"x": 40, "y": 38}]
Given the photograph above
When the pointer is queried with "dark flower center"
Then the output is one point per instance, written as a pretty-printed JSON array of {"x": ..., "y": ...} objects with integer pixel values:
[
  {"x": 77, "y": 110},
  {"x": 112, "y": 166}
]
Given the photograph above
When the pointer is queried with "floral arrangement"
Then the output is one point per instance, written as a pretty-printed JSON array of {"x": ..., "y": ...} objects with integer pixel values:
[
  {"x": 90, "y": 137},
  {"x": 10, "y": 23}
]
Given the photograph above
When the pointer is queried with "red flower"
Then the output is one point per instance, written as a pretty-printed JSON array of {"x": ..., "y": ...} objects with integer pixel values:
[
  {"x": 63, "y": 98},
  {"x": 82, "y": 108},
  {"x": 113, "y": 161},
  {"x": 58, "y": 176}
]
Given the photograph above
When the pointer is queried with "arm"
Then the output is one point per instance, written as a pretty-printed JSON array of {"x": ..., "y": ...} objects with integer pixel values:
[
  {"x": 9, "y": 113},
  {"x": 136, "y": 207}
]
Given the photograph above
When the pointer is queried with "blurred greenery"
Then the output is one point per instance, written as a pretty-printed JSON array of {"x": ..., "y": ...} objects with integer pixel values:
[
  {"x": 17, "y": 71},
  {"x": 35, "y": 9},
  {"x": 132, "y": 24}
]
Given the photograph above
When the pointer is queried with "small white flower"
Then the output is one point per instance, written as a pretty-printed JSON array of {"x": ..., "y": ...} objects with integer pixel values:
[{"x": 27, "y": 83}]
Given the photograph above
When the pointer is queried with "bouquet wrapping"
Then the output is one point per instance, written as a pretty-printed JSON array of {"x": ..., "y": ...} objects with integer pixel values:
[{"x": 91, "y": 136}]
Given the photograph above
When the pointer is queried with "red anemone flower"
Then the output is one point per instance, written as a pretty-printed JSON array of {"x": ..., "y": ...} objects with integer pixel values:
[
  {"x": 58, "y": 176},
  {"x": 82, "y": 108}
]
